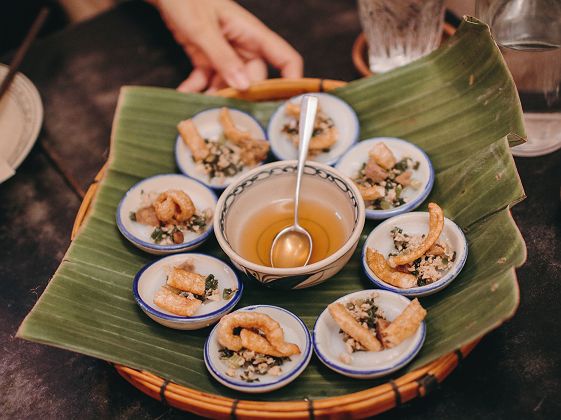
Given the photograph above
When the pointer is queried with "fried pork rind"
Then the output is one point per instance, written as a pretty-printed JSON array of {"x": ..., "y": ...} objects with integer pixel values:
[
  {"x": 381, "y": 324},
  {"x": 174, "y": 206},
  {"x": 318, "y": 142},
  {"x": 166, "y": 298},
  {"x": 404, "y": 326},
  {"x": 382, "y": 155},
  {"x": 379, "y": 266},
  {"x": 292, "y": 110},
  {"x": 259, "y": 344},
  {"x": 253, "y": 320},
  {"x": 147, "y": 216},
  {"x": 231, "y": 132},
  {"x": 324, "y": 140},
  {"x": 436, "y": 250},
  {"x": 187, "y": 281},
  {"x": 348, "y": 324},
  {"x": 436, "y": 223},
  {"x": 371, "y": 193},
  {"x": 253, "y": 150},
  {"x": 375, "y": 172},
  {"x": 405, "y": 178},
  {"x": 191, "y": 137}
]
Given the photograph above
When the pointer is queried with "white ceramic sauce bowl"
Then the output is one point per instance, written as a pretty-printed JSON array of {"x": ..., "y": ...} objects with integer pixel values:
[
  {"x": 415, "y": 223},
  {"x": 329, "y": 345},
  {"x": 276, "y": 181},
  {"x": 139, "y": 234},
  {"x": 352, "y": 161},
  {"x": 344, "y": 118},
  {"x": 208, "y": 125},
  {"x": 153, "y": 275},
  {"x": 295, "y": 331}
]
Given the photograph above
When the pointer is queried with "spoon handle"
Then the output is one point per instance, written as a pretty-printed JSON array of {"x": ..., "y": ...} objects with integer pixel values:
[{"x": 307, "y": 118}]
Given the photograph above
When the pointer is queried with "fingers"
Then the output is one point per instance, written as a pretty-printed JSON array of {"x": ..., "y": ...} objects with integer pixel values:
[
  {"x": 195, "y": 26},
  {"x": 256, "y": 69},
  {"x": 196, "y": 82},
  {"x": 224, "y": 39},
  {"x": 204, "y": 77},
  {"x": 202, "y": 72},
  {"x": 223, "y": 58},
  {"x": 292, "y": 68},
  {"x": 216, "y": 83},
  {"x": 281, "y": 55},
  {"x": 268, "y": 45}
]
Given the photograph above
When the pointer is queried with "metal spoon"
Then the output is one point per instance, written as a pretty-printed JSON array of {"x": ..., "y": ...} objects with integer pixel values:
[{"x": 292, "y": 246}]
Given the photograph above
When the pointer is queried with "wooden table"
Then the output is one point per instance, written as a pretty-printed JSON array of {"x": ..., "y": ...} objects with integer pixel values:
[{"x": 514, "y": 372}]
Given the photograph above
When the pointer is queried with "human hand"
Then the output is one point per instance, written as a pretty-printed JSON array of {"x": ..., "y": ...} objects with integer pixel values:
[{"x": 228, "y": 46}]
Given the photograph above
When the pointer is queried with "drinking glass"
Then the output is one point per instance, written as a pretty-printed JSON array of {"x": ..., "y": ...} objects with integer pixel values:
[
  {"x": 528, "y": 33},
  {"x": 400, "y": 31}
]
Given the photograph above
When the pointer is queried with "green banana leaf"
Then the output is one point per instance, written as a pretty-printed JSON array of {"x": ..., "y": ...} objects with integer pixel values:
[{"x": 459, "y": 104}]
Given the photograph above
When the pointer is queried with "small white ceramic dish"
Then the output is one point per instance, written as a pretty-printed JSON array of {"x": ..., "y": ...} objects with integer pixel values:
[
  {"x": 294, "y": 332},
  {"x": 153, "y": 275},
  {"x": 343, "y": 116},
  {"x": 208, "y": 124},
  {"x": 329, "y": 345},
  {"x": 275, "y": 182},
  {"x": 139, "y": 234},
  {"x": 21, "y": 117},
  {"x": 353, "y": 160},
  {"x": 415, "y": 223}
]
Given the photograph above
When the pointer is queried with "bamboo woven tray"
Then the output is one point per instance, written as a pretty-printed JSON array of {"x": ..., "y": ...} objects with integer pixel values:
[
  {"x": 459, "y": 104},
  {"x": 360, "y": 404}
]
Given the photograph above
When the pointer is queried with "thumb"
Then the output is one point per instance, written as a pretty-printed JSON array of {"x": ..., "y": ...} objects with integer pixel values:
[
  {"x": 224, "y": 59},
  {"x": 196, "y": 82}
]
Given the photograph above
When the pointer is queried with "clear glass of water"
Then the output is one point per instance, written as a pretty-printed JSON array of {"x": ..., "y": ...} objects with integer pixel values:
[
  {"x": 529, "y": 35},
  {"x": 400, "y": 31}
]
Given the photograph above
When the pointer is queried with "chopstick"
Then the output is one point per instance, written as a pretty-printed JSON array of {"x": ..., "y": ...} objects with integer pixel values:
[{"x": 22, "y": 50}]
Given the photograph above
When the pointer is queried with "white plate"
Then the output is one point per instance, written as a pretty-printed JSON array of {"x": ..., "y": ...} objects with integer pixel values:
[
  {"x": 294, "y": 332},
  {"x": 353, "y": 160},
  {"x": 416, "y": 223},
  {"x": 21, "y": 116},
  {"x": 153, "y": 275},
  {"x": 208, "y": 124},
  {"x": 139, "y": 234},
  {"x": 343, "y": 116},
  {"x": 328, "y": 342}
]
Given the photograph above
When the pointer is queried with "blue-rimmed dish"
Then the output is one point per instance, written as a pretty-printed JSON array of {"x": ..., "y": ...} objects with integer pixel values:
[
  {"x": 344, "y": 119},
  {"x": 423, "y": 177},
  {"x": 208, "y": 125},
  {"x": 295, "y": 331},
  {"x": 416, "y": 223},
  {"x": 139, "y": 195},
  {"x": 153, "y": 275},
  {"x": 329, "y": 345}
]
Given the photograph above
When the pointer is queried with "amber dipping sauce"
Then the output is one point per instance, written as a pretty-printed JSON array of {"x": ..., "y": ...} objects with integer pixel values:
[{"x": 324, "y": 225}]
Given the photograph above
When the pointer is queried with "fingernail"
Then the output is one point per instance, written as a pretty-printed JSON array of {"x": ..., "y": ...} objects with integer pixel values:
[{"x": 237, "y": 79}]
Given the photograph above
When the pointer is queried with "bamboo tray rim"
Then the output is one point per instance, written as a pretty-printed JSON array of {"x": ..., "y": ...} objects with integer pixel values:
[{"x": 368, "y": 402}]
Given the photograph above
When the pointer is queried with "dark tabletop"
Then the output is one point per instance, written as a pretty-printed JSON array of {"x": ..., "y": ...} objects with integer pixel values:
[{"x": 515, "y": 372}]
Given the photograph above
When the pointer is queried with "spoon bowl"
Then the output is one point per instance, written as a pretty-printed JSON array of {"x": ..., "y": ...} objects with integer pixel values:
[{"x": 292, "y": 247}]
